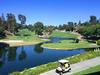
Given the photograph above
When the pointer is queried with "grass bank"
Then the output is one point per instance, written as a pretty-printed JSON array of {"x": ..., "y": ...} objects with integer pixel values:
[
  {"x": 63, "y": 34},
  {"x": 91, "y": 71},
  {"x": 52, "y": 65},
  {"x": 27, "y": 40},
  {"x": 68, "y": 44}
]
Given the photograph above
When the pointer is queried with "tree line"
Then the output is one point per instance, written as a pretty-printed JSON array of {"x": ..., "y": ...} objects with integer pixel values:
[
  {"x": 9, "y": 25},
  {"x": 90, "y": 28}
]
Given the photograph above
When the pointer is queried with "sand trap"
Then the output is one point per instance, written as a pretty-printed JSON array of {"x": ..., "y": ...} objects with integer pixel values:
[{"x": 11, "y": 41}]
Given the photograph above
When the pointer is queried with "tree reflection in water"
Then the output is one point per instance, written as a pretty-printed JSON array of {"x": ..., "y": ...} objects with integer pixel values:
[
  {"x": 38, "y": 48},
  {"x": 1, "y": 56},
  {"x": 22, "y": 55},
  {"x": 12, "y": 54},
  {"x": 3, "y": 51}
]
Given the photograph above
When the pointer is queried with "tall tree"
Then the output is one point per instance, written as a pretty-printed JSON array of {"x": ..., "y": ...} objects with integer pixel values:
[
  {"x": 11, "y": 21},
  {"x": 4, "y": 21},
  {"x": 1, "y": 22},
  {"x": 39, "y": 28},
  {"x": 79, "y": 23},
  {"x": 1, "y": 26},
  {"x": 93, "y": 20},
  {"x": 3, "y": 17},
  {"x": 22, "y": 19},
  {"x": 71, "y": 26},
  {"x": 70, "y": 23}
]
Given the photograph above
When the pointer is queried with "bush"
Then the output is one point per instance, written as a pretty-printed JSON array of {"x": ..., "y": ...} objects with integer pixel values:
[
  {"x": 24, "y": 32},
  {"x": 98, "y": 42}
]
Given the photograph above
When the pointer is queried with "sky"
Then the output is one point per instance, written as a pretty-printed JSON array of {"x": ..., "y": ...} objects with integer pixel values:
[{"x": 52, "y": 12}]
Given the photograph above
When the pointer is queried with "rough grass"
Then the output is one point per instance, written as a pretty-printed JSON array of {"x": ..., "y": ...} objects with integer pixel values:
[
  {"x": 67, "y": 44},
  {"x": 52, "y": 65},
  {"x": 91, "y": 71}
]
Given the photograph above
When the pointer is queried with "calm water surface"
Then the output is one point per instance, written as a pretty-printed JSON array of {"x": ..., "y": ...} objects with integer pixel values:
[{"x": 19, "y": 58}]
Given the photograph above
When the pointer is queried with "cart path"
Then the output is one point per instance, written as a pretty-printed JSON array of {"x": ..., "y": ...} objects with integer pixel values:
[{"x": 78, "y": 66}]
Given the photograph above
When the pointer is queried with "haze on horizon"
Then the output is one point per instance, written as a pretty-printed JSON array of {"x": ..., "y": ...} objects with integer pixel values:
[{"x": 52, "y": 12}]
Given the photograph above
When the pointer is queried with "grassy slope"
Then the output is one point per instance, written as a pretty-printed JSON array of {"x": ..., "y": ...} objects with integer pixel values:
[
  {"x": 63, "y": 34},
  {"x": 92, "y": 71},
  {"x": 67, "y": 44}
]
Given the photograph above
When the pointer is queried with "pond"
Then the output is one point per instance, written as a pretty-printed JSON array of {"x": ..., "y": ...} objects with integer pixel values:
[{"x": 18, "y": 58}]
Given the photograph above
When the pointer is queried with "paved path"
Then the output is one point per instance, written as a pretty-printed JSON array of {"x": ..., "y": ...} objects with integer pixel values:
[{"x": 78, "y": 66}]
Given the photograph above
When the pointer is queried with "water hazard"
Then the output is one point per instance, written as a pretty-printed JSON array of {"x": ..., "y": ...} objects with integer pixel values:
[{"x": 18, "y": 58}]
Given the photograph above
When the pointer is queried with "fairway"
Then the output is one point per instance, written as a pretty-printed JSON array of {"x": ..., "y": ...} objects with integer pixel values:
[
  {"x": 67, "y": 44},
  {"x": 63, "y": 34}
]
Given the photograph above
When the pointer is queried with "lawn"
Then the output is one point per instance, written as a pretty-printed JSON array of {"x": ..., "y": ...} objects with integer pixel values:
[
  {"x": 91, "y": 71},
  {"x": 63, "y": 34},
  {"x": 25, "y": 38},
  {"x": 67, "y": 44}
]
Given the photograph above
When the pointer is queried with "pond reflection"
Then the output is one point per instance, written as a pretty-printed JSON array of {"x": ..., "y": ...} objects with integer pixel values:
[
  {"x": 2, "y": 54},
  {"x": 38, "y": 48},
  {"x": 18, "y": 58},
  {"x": 11, "y": 55},
  {"x": 22, "y": 55}
]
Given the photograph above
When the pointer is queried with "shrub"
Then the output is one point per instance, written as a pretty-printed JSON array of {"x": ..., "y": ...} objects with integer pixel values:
[
  {"x": 98, "y": 42},
  {"x": 24, "y": 32}
]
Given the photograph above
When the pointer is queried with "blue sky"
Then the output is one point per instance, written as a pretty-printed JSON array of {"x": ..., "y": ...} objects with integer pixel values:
[{"x": 52, "y": 12}]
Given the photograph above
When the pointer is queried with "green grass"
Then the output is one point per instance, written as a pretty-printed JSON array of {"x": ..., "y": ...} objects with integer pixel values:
[
  {"x": 63, "y": 34},
  {"x": 92, "y": 71},
  {"x": 32, "y": 38},
  {"x": 67, "y": 44},
  {"x": 52, "y": 65},
  {"x": 25, "y": 38}
]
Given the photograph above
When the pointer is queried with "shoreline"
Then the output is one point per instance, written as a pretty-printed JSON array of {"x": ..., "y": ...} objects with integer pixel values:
[
  {"x": 14, "y": 43},
  {"x": 67, "y": 48}
]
